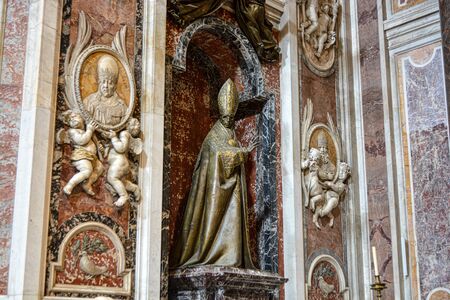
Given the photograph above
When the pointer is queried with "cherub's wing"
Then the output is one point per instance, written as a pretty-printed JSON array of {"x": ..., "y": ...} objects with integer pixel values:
[
  {"x": 136, "y": 145},
  {"x": 62, "y": 137}
]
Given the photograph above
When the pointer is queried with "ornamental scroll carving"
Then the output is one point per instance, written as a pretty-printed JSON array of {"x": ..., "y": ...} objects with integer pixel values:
[
  {"x": 318, "y": 20},
  {"x": 100, "y": 93},
  {"x": 325, "y": 175}
]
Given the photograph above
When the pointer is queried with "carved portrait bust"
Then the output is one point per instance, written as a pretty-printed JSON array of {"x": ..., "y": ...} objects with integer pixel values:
[{"x": 105, "y": 105}]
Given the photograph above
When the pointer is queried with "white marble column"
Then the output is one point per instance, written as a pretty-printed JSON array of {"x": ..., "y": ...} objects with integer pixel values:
[
  {"x": 148, "y": 260},
  {"x": 294, "y": 258},
  {"x": 34, "y": 162}
]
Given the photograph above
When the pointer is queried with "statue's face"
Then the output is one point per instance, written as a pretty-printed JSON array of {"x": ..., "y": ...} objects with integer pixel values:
[
  {"x": 326, "y": 9},
  {"x": 227, "y": 120},
  {"x": 344, "y": 171},
  {"x": 107, "y": 86},
  {"x": 76, "y": 121},
  {"x": 134, "y": 128},
  {"x": 324, "y": 153}
]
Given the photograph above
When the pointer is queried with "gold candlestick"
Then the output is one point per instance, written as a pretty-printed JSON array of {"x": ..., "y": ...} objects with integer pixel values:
[{"x": 378, "y": 286}]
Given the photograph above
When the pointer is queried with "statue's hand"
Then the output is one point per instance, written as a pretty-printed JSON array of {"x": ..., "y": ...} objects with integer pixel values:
[
  {"x": 110, "y": 134},
  {"x": 92, "y": 125}
]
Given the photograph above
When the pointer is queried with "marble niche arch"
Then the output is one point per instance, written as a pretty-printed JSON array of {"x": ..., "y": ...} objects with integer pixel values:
[
  {"x": 254, "y": 96},
  {"x": 254, "y": 100}
]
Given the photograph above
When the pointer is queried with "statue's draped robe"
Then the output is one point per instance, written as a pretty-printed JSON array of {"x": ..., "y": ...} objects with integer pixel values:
[
  {"x": 108, "y": 111},
  {"x": 215, "y": 228},
  {"x": 189, "y": 10},
  {"x": 251, "y": 16}
]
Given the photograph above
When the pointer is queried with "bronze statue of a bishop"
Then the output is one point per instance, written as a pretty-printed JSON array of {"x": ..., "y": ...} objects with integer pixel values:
[{"x": 215, "y": 228}]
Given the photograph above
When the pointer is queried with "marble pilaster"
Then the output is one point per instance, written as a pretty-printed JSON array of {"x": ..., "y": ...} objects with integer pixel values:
[
  {"x": 13, "y": 36},
  {"x": 374, "y": 137},
  {"x": 34, "y": 169}
]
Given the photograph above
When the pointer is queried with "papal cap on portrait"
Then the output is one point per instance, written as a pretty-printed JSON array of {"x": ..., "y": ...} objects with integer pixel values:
[
  {"x": 322, "y": 140},
  {"x": 107, "y": 67}
]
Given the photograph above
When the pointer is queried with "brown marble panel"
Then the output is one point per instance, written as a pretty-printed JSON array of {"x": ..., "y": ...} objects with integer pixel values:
[
  {"x": 106, "y": 18},
  {"x": 375, "y": 149},
  {"x": 11, "y": 81},
  {"x": 322, "y": 92},
  {"x": 191, "y": 122}
]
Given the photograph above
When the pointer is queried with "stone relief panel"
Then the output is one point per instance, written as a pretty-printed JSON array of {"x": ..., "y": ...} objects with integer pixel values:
[
  {"x": 99, "y": 90},
  {"x": 96, "y": 154},
  {"x": 325, "y": 175},
  {"x": 426, "y": 153},
  {"x": 91, "y": 259},
  {"x": 326, "y": 279},
  {"x": 318, "y": 22}
]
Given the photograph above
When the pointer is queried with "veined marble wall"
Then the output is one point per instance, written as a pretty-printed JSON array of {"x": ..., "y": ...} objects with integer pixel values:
[
  {"x": 11, "y": 84},
  {"x": 427, "y": 166}
]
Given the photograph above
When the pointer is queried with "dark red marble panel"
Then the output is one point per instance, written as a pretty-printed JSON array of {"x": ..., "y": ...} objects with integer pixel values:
[
  {"x": 375, "y": 149},
  {"x": 106, "y": 18},
  {"x": 11, "y": 81},
  {"x": 191, "y": 122},
  {"x": 90, "y": 258},
  {"x": 322, "y": 92}
]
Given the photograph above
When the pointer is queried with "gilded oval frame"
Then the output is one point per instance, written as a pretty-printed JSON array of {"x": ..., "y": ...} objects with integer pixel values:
[{"x": 76, "y": 74}]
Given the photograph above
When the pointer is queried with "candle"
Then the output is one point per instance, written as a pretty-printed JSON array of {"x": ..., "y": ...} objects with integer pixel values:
[{"x": 375, "y": 262}]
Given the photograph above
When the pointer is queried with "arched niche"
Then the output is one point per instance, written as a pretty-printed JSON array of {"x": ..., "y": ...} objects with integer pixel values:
[{"x": 254, "y": 96}]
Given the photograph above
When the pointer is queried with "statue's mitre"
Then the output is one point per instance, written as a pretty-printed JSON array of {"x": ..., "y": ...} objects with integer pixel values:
[
  {"x": 228, "y": 99},
  {"x": 322, "y": 140},
  {"x": 107, "y": 67}
]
